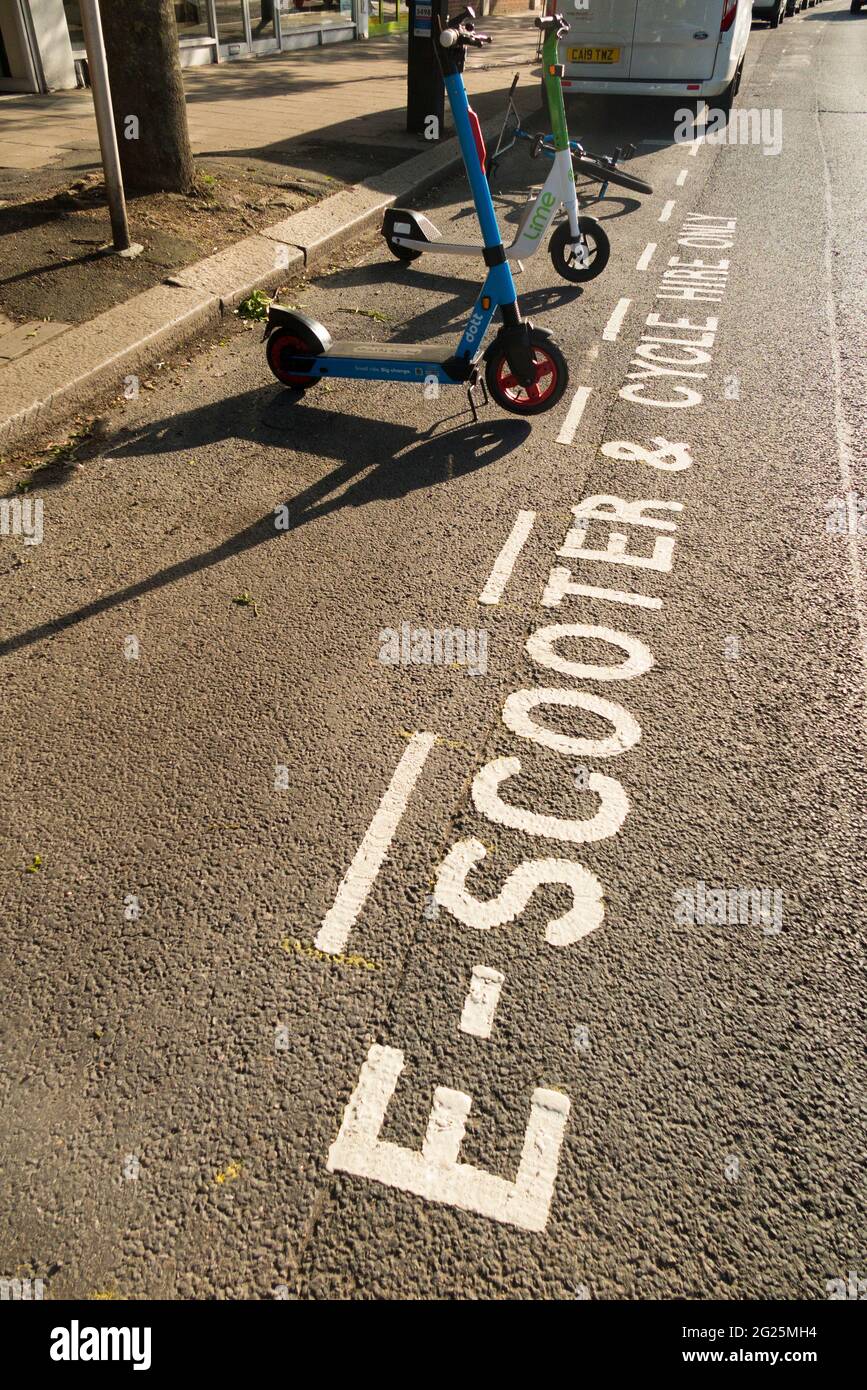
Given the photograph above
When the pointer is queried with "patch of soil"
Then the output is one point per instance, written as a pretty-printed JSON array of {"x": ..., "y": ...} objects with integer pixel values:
[{"x": 54, "y": 234}]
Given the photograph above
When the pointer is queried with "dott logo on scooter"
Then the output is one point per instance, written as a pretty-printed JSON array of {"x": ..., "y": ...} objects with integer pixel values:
[
  {"x": 473, "y": 326},
  {"x": 540, "y": 218}
]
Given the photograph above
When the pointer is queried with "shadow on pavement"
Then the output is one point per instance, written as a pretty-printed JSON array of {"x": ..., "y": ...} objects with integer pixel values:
[
  {"x": 410, "y": 461},
  {"x": 447, "y": 317}
]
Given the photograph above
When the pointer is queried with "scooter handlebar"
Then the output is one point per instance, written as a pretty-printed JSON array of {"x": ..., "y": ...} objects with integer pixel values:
[
  {"x": 460, "y": 34},
  {"x": 554, "y": 21}
]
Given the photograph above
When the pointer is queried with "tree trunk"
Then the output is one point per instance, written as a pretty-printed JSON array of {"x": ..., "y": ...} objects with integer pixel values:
[{"x": 144, "y": 66}]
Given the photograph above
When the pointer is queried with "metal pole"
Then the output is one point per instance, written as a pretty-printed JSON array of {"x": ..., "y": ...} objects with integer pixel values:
[
  {"x": 214, "y": 31},
  {"x": 98, "y": 69}
]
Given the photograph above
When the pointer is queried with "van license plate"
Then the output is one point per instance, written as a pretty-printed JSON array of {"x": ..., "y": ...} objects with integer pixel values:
[{"x": 594, "y": 55}]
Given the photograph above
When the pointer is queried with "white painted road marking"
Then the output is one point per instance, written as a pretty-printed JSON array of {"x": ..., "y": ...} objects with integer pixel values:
[
  {"x": 505, "y": 561},
  {"x": 584, "y": 916},
  {"x": 540, "y": 647},
  {"x": 701, "y": 116},
  {"x": 613, "y": 801},
  {"x": 358, "y": 879},
  {"x": 615, "y": 323},
  {"x": 481, "y": 1002},
  {"x": 573, "y": 415},
  {"x": 435, "y": 1173},
  {"x": 646, "y": 256},
  {"x": 667, "y": 210},
  {"x": 559, "y": 585},
  {"x": 682, "y": 177},
  {"x": 517, "y": 717},
  {"x": 846, "y": 456}
]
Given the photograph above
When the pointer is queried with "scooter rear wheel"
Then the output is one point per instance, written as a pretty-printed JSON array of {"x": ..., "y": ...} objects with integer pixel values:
[
  {"x": 552, "y": 377},
  {"x": 283, "y": 345},
  {"x": 566, "y": 263},
  {"x": 403, "y": 253}
]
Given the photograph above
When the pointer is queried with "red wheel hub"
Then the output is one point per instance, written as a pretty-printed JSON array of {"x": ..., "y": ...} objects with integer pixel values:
[
  {"x": 283, "y": 346},
  {"x": 542, "y": 386}
]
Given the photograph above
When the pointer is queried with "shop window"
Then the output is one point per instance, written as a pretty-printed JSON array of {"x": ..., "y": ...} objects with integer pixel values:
[
  {"x": 192, "y": 19},
  {"x": 73, "y": 20}
]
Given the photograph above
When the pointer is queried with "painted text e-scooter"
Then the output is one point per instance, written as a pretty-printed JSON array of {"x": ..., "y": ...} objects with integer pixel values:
[
  {"x": 524, "y": 369},
  {"x": 579, "y": 247}
]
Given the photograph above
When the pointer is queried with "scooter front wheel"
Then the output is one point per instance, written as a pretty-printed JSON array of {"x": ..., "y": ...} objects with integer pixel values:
[
  {"x": 551, "y": 379},
  {"x": 580, "y": 260}
]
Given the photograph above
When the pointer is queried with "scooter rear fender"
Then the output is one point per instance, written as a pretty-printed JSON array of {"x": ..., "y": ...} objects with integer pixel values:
[{"x": 279, "y": 316}]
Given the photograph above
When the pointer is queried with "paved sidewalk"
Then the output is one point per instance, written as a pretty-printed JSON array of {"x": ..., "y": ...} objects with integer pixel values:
[{"x": 260, "y": 104}]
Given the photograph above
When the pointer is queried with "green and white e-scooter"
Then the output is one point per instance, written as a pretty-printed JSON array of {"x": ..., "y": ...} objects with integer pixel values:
[{"x": 579, "y": 247}]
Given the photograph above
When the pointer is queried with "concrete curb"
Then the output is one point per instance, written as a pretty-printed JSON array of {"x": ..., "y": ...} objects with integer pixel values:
[{"x": 53, "y": 381}]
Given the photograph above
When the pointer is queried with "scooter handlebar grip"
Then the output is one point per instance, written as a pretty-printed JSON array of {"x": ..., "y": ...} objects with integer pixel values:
[{"x": 449, "y": 37}]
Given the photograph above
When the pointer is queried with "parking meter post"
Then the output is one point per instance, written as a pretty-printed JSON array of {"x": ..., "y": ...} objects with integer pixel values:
[{"x": 425, "y": 89}]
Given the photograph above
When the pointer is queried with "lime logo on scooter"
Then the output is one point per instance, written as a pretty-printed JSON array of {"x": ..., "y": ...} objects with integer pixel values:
[{"x": 541, "y": 216}]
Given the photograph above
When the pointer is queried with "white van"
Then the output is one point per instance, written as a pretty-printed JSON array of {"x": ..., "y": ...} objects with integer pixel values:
[{"x": 666, "y": 48}]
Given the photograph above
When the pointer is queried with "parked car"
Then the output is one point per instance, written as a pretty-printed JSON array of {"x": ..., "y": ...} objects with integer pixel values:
[
  {"x": 774, "y": 11},
  {"x": 694, "y": 49}
]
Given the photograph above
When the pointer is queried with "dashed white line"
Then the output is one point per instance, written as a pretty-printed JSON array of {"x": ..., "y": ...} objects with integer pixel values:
[
  {"x": 358, "y": 879},
  {"x": 701, "y": 115},
  {"x": 505, "y": 561},
  {"x": 573, "y": 415},
  {"x": 646, "y": 256},
  {"x": 615, "y": 323},
  {"x": 481, "y": 1002},
  {"x": 845, "y": 442},
  {"x": 667, "y": 210},
  {"x": 682, "y": 177}
]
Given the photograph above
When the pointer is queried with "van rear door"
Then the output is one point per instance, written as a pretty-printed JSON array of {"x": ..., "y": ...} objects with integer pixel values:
[
  {"x": 675, "y": 39},
  {"x": 599, "y": 44}
]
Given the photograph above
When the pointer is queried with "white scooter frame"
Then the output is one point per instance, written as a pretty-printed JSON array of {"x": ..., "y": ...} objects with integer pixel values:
[{"x": 579, "y": 246}]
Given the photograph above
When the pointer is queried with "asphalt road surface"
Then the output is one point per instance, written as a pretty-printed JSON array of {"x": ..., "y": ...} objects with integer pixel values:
[{"x": 281, "y": 907}]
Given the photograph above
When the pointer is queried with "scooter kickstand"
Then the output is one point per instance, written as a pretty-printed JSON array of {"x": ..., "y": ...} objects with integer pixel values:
[{"x": 476, "y": 381}]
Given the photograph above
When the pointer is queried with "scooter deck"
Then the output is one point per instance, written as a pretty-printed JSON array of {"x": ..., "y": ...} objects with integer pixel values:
[
  {"x": 385, "y": 362},
  {"x": 400, "y": 352}
]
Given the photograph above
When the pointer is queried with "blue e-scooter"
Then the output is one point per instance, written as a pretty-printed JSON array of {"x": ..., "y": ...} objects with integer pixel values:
[{"x": 524, "y": 369}]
